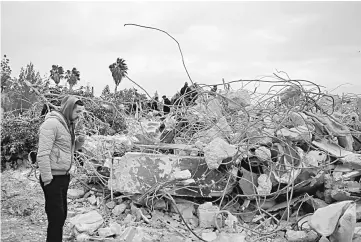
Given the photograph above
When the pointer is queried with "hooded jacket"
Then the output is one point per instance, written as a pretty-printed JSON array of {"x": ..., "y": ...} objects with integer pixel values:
[{"x": 57, "y": 141}]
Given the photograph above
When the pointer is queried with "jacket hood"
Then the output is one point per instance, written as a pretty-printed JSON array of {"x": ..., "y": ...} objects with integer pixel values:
[{"x": 67, "y": 107}]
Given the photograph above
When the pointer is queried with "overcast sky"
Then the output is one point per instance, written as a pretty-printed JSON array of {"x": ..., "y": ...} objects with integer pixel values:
[{"x": 317, "y": 41}]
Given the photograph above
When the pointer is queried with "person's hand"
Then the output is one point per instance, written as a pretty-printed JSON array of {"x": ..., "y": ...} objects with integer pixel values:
[
  {"x": 47, "y": 183},
  {"x": 81, "y": 138}
]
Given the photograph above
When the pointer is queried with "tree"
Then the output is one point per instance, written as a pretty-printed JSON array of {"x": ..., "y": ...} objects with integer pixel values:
[
  {"x": 119, "y": 70},
  {"x": 72, "y": 77},
  {"x": 27, "y": 97},
  {"x": 5, "y": 73},
  {"x": 56, "y": 73},
  {"x": 106, "y": 91}
]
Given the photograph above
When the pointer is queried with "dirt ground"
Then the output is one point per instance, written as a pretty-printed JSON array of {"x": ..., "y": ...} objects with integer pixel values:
[{"x": 23, "y": 216}]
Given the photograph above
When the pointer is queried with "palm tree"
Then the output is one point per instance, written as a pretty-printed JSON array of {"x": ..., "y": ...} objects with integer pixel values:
[
  {"x": 72, "y": 77},
  {"x": 119, "y": 70},
  {"x": 56, "y": 73}
]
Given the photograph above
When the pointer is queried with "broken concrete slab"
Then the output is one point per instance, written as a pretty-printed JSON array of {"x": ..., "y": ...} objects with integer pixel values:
[
  {"x": 325, "y": 220},
  {"x": 218, "y": 150},
  {"x": 88, "y": 222},
  {"x": 238, "y": 99},
  {"x": 301, "y": 133},
  {"x": 206, "y": 215},
  {"x": 346, "y": 225},
  {"x": 105, "y": 232},
  {"x": 135, "y": 172},
  {"x": 185, "y": 207},
  {"x": 248, "y": 182},
  {"x": 98, "y": 146}
]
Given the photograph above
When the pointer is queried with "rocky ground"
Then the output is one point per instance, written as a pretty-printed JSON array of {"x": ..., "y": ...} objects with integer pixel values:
[{"x": 24, "y": 219}]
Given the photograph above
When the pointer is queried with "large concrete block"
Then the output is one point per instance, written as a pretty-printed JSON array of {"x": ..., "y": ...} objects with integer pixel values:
[{"x": 136, "y": 173}]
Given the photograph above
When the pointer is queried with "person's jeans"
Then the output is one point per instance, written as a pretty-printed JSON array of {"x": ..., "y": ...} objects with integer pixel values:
[{"x": 56, "y": 206}]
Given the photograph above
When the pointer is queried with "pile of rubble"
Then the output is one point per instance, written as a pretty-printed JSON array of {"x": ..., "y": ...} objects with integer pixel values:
[
  {"x": 239, "y": 164},
  {"x": 231, "y": 166}
]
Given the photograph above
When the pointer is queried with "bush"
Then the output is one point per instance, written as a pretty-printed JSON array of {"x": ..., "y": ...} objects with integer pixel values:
[{"x": 19, "y": 136}]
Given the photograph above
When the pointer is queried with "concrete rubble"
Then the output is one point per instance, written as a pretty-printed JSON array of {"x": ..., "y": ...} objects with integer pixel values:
[
  {"x": 289, "y": 161},
  {"x": 234, "y": 166}
]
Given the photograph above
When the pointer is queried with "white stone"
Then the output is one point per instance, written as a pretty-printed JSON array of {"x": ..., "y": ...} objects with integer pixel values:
[
  {"x": 181, "y": 175},
  {"x": 119, "y": 209},
  {"x": 75, "y": 193},
  {"x": 217, "y": 151},
  {"x": 92, "y": 200},
  {"x": 209, "y": 236},
  {"x": 111, "y": 204},
  {"x": 88, "y": 222},
  {"x": 116, "y": 228}
]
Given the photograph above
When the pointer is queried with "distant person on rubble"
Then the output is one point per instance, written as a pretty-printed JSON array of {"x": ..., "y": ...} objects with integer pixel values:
[
  {"x": 57, "y": 143},
  {"x": 155, "y": 104},
  {"x": 166, "y": 106},
  {"x": 214, "y": 88},
  {"x": 185, "y": 94}
]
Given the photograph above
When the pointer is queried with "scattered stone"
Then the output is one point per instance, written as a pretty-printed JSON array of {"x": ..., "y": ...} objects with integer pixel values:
[
  {"x": 88, "y": 222},
  {"x": 83, "y": 237},
  {"x": 92, "y": 200},
  {"x": 185, "y": 208},
  {"x": 133, "y": 234},
  {"x": 71, "y": 214},
  {"x": 314, "y": 157},
  {"x": 116, "y": 228},
  {"x": 88, "y": 194},
  {"x": 110, "y": 204},
  {"x": 128, "y": 234},
  {"x": 210, "y": 236},
  {"x": 172, "y": 237},
  {"x": 119, "y": 209},
  {"x": 181, "y": 175},
  {"x": 301, "y": 236},
  {"x": 75, "y": 193},
  {"x": 105, "y": 232},
  {"x": 206, "y": 214},
  {"x": 128, "y": 219}
]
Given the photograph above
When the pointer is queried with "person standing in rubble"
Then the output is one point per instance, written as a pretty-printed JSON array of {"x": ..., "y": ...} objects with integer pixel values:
[
  {"x": 166, "y": 106},
  {"x": 57, "y": 144},
  {"x": 184, "y": 94},
  {"x": 154, "y": 105}
]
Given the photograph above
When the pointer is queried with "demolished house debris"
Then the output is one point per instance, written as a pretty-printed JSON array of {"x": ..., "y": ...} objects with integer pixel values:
[
  {"x": 240, "y": 162},
  {"x": 230, "y": 165}
]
